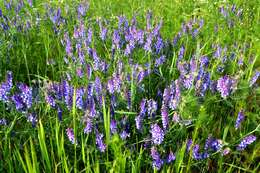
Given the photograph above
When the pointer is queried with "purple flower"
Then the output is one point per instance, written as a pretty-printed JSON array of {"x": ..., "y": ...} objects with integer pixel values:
[
  {"x": 240, "y": 118},
  {"x": 141, "y": 76},
  {"x": 188, "y": 144},
  {"x": 50, "y": 100},
  {"x": 6, "y": 87},
  {"x": 99, "y": 142},
  {"x": 30, "y": 3},
  {"x": 226, "y": 151},
  {"x": 113, "y": 126},
  {"x": 245, "y": 142},
  {"x": 181, "y": 53},
  {"x": 110, "y": 86},
  {"x": 139, "y": 122},
  {"x": 203, "y": 82},
  {"x": 33, "y": 119},
  {"x": 67, "y": 92},
  {"x": 89, "y": 71},
  {"x": 55, "y": 17},
  {"x": 208, "y": 142},
  {"x": 171, "y": 157},
  {"x": 216, "y": 144},
  {"x": 157, "y": 161},
  {"x": 254, "y": 78},
  {"x": 166, "y": 95},
  {"x": 159, "y": 61},
  {"x": 157, "y": 134},
  {"x": 114, "y": 84},
  {"x": 156, "y": 30},
  {"x": 176, "y": 39},
  {"x": 198, "y": 156},
  {"x": 3, "y": 122},
  {"x": 59, "y": 113},
  {"x": 193, "y": 65},
  {"x": 225, "y": 86},
  {"x": 204, "y": 61},
  {"x": 148, "y": 43},
  {"x": 151, "y": 107},
  {"x": 80, "y": 72},
  {"x": 218, "y": 52},
  {"x": 89, "y": 36},
  {"x": 68, "y": 46},
  {"x": 103, "y": 33},
  {"x": 124, "y": 134},
  {"x": 188, "y": 81},
  {"x": 175, "y": 95},
  {"x": 89, "y": 126},
  {"x": 128, "y": 96},
  {"x": 18, "y": 102},
  {"x": 165, "y": 118},
  {"x": 70, "y": 134},
  {"x": 79, "y": 98},
  {"x": 82, "y": 9},
  {"x": 116, "y": 39},
  {"x": 159, "y": 44},
  {"x": 26, "y": 94}
]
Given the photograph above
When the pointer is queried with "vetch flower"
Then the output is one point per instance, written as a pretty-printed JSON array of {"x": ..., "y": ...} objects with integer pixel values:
[
  {"x": 225, "y": 85},
  {"x": 32, "y": 118},
  {"x": 157, "y": 161},
  {"x": 159, "y": 61},
  {"x": 124, "y": 134},
  {"x": 165, "y": 118},
  {"x": 188, "y": 144},
  {"x": 181, "y": 53},
  {"x": 99, "y": 142},
  {"x": 245, "y": 142},
  {"x": 240, "y": 118},
  {"x": 148, "y": 43},
  {"x": 3, "y": 122},
  {"x": 79, "y": 98},
  {"x": 116, "y": 40},
  {"x": 70, "y": 134},
  {"x": 139, "y": 122},
  {"x": 113, "y": 126},
  {"x": 171, "y": 157},
  {"x": 159, "y": 44},
  {"x": 89, "y": 126},
  {"x": 50, "y": 100},
  {"x": 6, "y": 87},
  {"x": 157, "y": 134},
  {"x": 59, "y": 113},
  {"x": 254, "y": 78},
  {"x": 151, "y": 107}
]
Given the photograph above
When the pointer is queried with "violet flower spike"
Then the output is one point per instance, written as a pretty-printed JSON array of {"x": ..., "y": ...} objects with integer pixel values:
[
  {"x": 157, "y": 161},
  {"x": 254, "y": 78},
  {"x": 240, "y": 118},
  {"x": 245, "y": 142},
  {"x": 165, "y": 117},
  {"x": 99, "y": 142},
  {"x": 157, "y": 134},
  {"x": 70, "y": 134},
  {"x": 171, "y": 157}
]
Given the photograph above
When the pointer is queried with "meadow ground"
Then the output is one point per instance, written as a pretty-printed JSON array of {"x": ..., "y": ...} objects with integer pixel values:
[{"x": 129, "y": 86}]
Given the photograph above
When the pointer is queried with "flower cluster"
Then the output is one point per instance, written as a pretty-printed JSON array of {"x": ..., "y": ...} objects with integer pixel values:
[{"x": 245, "y": 142}]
